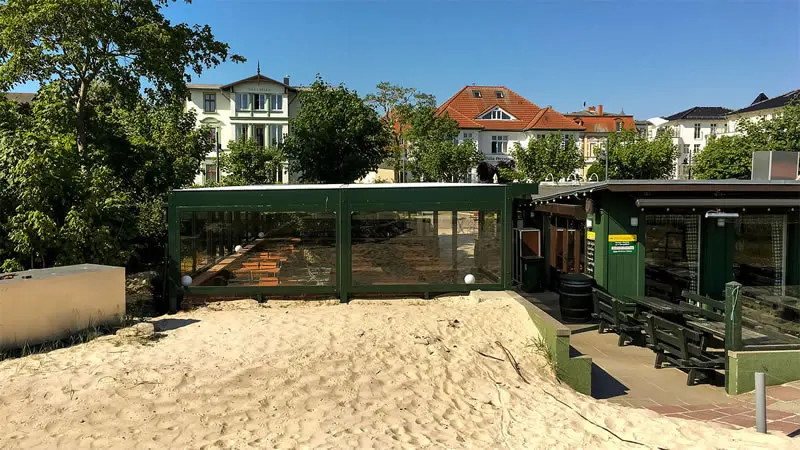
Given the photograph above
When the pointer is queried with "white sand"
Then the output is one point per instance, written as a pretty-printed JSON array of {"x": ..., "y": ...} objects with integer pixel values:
[{"x": 358, "y": 375}]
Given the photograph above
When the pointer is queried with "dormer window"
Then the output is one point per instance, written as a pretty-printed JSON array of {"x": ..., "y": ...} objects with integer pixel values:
[
  {"x": 476, "y": 93},
  {"x": 499, "y": 94},
  {"x": 619, "y": 125},
  {"x": 496, "y": 114}
]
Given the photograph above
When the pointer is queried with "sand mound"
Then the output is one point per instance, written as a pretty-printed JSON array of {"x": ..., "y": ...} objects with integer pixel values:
[{"x": 406, "y": 374}]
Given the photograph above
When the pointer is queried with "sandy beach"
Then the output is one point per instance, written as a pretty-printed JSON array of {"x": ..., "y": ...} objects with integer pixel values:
[{"x": 389, "y": 374}]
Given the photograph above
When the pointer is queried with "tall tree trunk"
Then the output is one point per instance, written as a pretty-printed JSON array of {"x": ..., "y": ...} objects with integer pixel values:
[{"x": 81, "y": 117}]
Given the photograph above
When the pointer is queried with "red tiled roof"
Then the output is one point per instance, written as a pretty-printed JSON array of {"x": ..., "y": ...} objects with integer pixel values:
[
  {"x": 602, "y": 124},
  {"x": 464, "y": 107}
]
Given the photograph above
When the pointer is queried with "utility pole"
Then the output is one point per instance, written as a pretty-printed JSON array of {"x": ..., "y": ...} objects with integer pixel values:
[{"x": 219, "y": 148}]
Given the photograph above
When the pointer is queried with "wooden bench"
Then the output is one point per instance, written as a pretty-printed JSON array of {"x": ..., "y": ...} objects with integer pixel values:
[
  {"x": 616, "y": 314},
  {"x": 682, "y": 347},
  {"x": 710, "y": 309}
]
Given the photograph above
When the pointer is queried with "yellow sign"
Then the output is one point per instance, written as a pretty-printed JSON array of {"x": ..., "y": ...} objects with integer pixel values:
[
  {"x": 621, "y": 238},
  {"x": 590, "y": 235}
]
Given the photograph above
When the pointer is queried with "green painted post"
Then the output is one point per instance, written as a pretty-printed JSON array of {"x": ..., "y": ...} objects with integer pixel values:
[
  {"x": 505, "y": 239},
  {"x": 173, "y": 261},
  {"x": 194, "y": 245},
  {"x": 344, "y": 224},
  {"x": 733, "y": 316},
  {"x": 454, "y": 239}
]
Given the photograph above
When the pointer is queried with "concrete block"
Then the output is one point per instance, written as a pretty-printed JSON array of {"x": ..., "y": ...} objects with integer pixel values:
[{"x": 41, "y": 305}]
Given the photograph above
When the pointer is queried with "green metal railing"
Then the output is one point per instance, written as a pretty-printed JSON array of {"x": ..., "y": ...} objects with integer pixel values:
[{"x": 345, "y": 203}]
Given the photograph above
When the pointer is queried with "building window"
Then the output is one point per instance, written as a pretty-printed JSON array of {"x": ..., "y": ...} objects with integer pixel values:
[
  {"x": 276, "y": 102},
  {"x": 275, "y": 135},
  {"x": 697, "y": 131},
  {"x": 259, "y": 136},
  {"x": 671, "y": 248},
  {"x": 696, "y": 149},
  {"x": 685, "y": 149},
  {"x": 496, "y": 114},
  {"x": 209, "y": 102},
  {"x": 499, "y": 94},
  {"x": 259, "y": 102},
  {"x": 499, "y": 144},
  {"x": 713, "y": 129},
  {"x": 467, "y": 137},
  {"x": 619, "y": 125},
  {"x": 213, "y": 138},
  {"x": 211, "y": 172},
  {"x": 476, "y": 93},
  {"x": 725, "y": 127},
  {"x": 241, "y": 130},
  {"x": 242, "y": 102}
]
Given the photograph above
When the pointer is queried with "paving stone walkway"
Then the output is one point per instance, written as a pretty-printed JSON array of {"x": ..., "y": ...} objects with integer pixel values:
[
  {"x": 783, "y": 410},
  {"x": 626, "y": 376}
]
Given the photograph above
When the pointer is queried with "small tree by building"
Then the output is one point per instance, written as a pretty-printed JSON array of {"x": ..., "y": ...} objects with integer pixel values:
[
  {"x": 633, "y": 157},
  {"x": 554, "y": 155},
  {"x": 247, "y": 162},
  {"x": 336, "y": 137}
]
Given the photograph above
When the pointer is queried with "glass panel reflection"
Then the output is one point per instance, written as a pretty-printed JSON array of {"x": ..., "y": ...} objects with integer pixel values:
[
  {"x": 431, "y": 247},
  {"x": 277, "y": 249}
]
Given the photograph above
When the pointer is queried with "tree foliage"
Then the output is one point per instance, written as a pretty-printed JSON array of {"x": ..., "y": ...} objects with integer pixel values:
[
  {"x": 397, "y": 106},
  {"x": 248, "y": 163},
  {"x": 633, "y": 157},
  {"x": 81, "y": 42},
  {"x": 336, "y": 137},
  {"x": 85, "y": 169},
  {"x": 435, "y": 153},
  {"x": 444, "y": 161},
  {"x": 728, "y": 157},
  {"x": 555, "y": 156},
  {"x": 724, "y": 157}
]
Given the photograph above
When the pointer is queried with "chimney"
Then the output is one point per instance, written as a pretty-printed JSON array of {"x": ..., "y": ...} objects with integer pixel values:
[
  {"x": 599, "y": 110},
  {"x": 591, "y": 109},
  {"x": 286, "y": 80}
]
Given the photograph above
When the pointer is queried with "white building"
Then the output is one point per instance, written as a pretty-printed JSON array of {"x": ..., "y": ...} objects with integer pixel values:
[
  {"x": 691, "y": 129},
  {"x": 496, "y": 118},
  {"x": 762, "y": 107},
  {"x": 257, "y": 107}
]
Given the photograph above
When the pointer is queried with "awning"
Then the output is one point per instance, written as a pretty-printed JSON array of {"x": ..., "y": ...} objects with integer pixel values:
[{"x": 717, "y": 202}]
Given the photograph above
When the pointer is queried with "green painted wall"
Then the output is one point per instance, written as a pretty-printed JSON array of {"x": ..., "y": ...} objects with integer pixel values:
[
  {"x": 779, "y": 366},
  {"x": 793, "y": 250},
  {"x": 575, "y": 372},
  {"x": 624, "y": 273},
  {"x": 716, "y": 257},
  {"x": 600, "y": 228}
]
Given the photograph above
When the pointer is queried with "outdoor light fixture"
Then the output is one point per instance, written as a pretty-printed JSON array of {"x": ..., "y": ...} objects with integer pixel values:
[
  {"x": 721, "y": 216},
  {"x": 634, "y": 221}
]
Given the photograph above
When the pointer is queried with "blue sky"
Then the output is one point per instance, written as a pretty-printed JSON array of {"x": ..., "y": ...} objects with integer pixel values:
[{"x": 652, "y": 58}]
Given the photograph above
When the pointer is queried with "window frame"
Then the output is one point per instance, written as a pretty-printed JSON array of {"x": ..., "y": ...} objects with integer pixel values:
[
  {"x": 239, "y": 102},
  {"x": 272, "y": 103},
  {"x": 213, "y": 101},
  {"x": 500, "y": 141},
  {"x": 697, "y": 131}
]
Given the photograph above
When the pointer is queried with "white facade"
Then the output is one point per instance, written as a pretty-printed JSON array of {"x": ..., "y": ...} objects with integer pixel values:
[
  {"x": 691, "y": 136},
  {"x": 733, "y": 119},
  {"x": 257, "y": 108}
]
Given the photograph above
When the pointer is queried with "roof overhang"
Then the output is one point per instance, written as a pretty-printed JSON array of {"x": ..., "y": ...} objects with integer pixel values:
[
  {"x": 716, "y": 202},
  {"x": 257, "y": 78}
]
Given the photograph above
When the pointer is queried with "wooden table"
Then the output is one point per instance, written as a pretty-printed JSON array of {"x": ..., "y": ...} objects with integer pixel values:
[
  {"x": 717, "y": 329},
  {"x": 664, "y": 307}
]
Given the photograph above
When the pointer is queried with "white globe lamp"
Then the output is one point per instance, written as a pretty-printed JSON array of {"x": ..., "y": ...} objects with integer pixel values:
[
  {"x": 261, "y": 235},
  {"x": 237, "y": 249},
  {"x": 186, "y": 280},
  {"x": 469, "y": 279}
]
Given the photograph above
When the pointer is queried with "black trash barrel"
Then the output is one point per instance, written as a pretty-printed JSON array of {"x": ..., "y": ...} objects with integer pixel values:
[{"x": 575, "y": 300}]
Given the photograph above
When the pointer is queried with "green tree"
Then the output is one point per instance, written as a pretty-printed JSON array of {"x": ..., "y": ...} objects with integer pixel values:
[
  {"x": 633, "y": 157},
  {"x": 780, "y": 133},
  {"x": 249, "y": 163},
  {"x": 724, "y": 157},
  {"x": 397, "y": 105},
  {"x": 336, "y": 137},
  {"x": 555, "y": 155},
  {"x": 444, "y": 161},
  {"x": 81, "y": 42}
]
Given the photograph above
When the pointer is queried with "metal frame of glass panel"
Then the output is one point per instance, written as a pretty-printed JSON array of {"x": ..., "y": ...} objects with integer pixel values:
[{"x": 344, "y": 201}]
